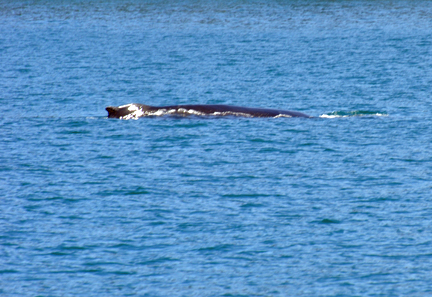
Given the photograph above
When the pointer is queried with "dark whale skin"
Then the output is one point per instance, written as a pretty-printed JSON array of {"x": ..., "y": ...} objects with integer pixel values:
[{"x": 139, "y": 110}]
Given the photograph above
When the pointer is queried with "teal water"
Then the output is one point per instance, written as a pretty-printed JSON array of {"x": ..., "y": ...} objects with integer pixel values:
[{"x": 337, "y": 205}]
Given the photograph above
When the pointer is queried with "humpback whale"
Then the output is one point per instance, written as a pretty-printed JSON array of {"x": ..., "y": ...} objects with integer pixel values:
[{"x": 136, "y": 110}]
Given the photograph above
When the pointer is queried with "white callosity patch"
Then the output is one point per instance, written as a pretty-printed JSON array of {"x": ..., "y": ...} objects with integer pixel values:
[
  {"x": 136, "y": 113},
  {"x": 133, "y": 107},
  {"x": 228, "y": 113},
  {"x": 127, "y": 105},
  {"x": 133, "y": 116},
  {"x": 189, "y": 111}
]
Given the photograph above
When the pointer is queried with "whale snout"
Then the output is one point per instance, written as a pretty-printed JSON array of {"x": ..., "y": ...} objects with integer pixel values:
[{"x": 112, "y": 111}]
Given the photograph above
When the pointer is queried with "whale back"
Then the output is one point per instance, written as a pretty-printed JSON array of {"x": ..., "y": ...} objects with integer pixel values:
[{"x": 135, "y": 110}]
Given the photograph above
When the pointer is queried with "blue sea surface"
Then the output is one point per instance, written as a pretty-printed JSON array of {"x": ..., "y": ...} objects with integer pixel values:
[{"x": 336, "y": 205}]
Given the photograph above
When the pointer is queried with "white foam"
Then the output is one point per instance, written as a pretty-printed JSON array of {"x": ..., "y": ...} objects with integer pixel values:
[{"x": 333, "y": 116}]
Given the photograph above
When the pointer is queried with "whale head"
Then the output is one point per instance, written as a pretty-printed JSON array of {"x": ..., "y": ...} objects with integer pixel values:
[{"x": 126, "y": 110}]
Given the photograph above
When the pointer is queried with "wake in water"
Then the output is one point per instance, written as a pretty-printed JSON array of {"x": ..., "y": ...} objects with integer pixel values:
[{"x": 356, "y": 113}]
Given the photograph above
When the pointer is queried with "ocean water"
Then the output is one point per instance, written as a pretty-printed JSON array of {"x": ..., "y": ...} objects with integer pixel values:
[{"x": 336, "y": 205}]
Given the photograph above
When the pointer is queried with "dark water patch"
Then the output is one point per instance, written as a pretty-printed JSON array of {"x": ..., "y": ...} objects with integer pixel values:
[
  {"x": 45, "y": 198},
  {"x": 59, "y": 254},
  {"x": 122, "y": 272},
  {"x": 157, "y": 223},
  {"x": 158, "y": 261},
  {"x": 252, "y": 205},
  {"x": 138, "y": 191},
  {"x": 102, "y": 263},
  {"x": 218, "y": 248},
  {"x": 328, "y": 221},
  {"x": 91, "y": 271},
  {"x": 76, "y": 132},
  {"x": 71, "y": 248},
  {"x": 255, "y": 195},
  {"x": 7, "y": 271}
]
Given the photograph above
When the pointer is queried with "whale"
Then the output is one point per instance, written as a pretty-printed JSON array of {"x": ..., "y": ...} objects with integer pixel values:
[{"x": 136, "y": 110}]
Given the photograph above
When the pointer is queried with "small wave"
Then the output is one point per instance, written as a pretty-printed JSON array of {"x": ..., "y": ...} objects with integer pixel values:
[{"x": 356, "y": 113}]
